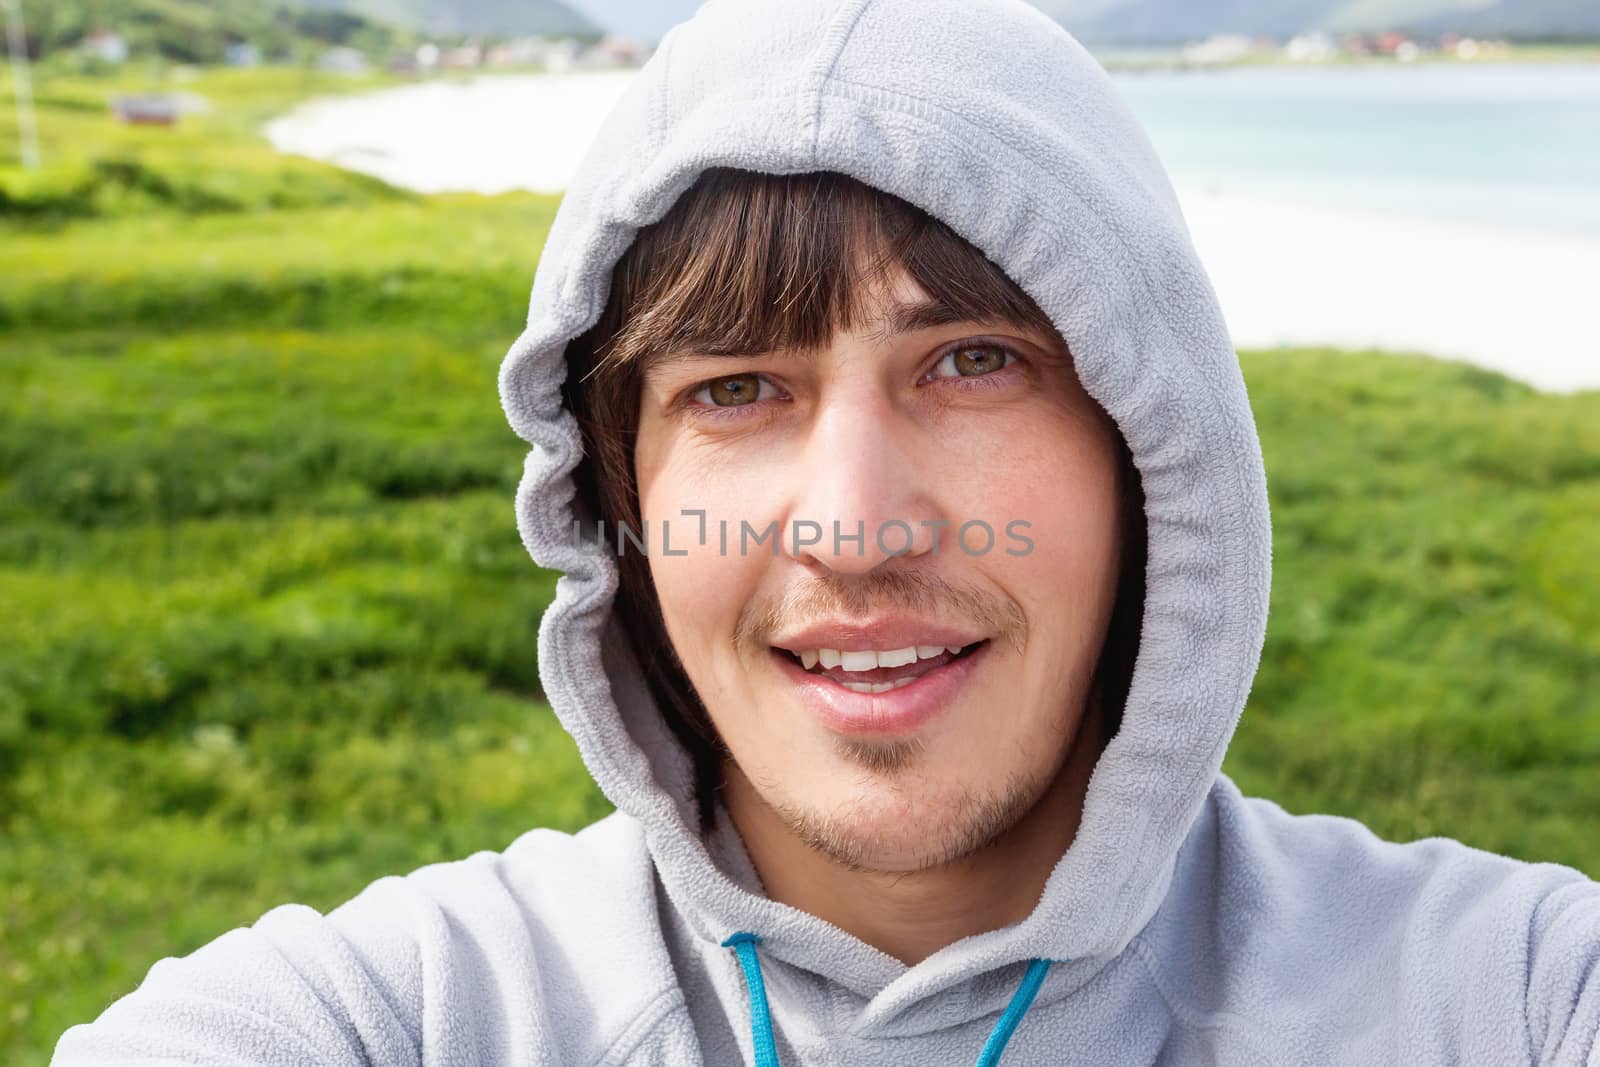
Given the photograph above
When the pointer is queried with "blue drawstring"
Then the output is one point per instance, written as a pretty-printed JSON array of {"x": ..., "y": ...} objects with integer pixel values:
[
  {"x": 760, "y": 1018},
  {"x": 761, "y": 1015},
  {"x": 1020, "y": 1000}
]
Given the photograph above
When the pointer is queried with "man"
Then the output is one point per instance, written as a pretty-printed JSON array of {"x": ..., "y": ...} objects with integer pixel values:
[{"x": 915, "y": 554}]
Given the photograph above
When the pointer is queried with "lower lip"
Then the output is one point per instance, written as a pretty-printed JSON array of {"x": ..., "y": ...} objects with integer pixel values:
[{"x": 895, "y": 711}]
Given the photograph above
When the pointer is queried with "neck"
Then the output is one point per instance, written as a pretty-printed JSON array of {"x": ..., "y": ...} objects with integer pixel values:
[{"x": 911, "y": 915}]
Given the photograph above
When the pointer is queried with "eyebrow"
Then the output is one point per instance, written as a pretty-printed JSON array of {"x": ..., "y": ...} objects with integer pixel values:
[
  {"x": 922, "y": 315},
  {"x": 901, "y": 319}
]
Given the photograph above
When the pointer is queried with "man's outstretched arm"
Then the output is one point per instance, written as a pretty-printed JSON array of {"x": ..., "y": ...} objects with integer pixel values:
[{"x": 287, "y": 990}]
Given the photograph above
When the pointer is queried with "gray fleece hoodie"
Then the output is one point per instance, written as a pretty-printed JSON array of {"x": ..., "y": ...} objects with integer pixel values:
[{"x": 1186, "y": 924}]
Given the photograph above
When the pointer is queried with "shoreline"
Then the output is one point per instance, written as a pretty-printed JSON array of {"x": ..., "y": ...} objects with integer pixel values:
[
  {"x": 1511, "y": 299},
  {"x": 491, "y": 134},
  {"x": 1286, "y": 271}
]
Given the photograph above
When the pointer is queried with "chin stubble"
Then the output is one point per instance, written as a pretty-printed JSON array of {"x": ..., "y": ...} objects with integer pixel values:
[{"x": 975, "y": 821}]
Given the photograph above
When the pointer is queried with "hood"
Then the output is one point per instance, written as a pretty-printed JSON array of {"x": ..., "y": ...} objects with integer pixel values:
[{"x": 991, "y": 117}]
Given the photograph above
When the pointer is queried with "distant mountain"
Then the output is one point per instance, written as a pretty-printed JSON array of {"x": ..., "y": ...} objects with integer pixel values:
[
  {"x": 497, "y": 18},
  {"x": 1072, "y": 13},
  {"x": 642, "y": 20},
  {"x": 1525, "y": 18},
  {"x": 199, "y": 31},
  {"x": 1177, "y": 21},
  {"x": 196, "y": 31},
  {"x": 1110, "y": 21}
]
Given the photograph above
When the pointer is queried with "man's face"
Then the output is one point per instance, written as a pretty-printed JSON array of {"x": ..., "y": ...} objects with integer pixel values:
[{"x": 908, "y": 758}]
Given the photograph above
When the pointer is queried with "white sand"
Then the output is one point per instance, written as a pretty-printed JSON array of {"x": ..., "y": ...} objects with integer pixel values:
[
  {"x": 488, "y": 135},
  {"x": 1520, "y": 301}
]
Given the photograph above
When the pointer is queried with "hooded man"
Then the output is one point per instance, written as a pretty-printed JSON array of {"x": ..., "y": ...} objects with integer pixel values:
[{"x": 915, "y": 557}]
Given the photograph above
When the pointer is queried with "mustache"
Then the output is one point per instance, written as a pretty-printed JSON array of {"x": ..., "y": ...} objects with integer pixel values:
[{"x": 880, "y": 591}]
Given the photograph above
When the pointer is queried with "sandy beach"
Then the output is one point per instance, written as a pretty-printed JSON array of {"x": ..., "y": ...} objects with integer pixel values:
[
  {"x": 1287, "y": 270},
  {"x": 1520, "y": 301}
]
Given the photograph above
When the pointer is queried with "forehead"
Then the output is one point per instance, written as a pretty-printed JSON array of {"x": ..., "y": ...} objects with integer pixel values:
[{"x": 896, "y": 304}]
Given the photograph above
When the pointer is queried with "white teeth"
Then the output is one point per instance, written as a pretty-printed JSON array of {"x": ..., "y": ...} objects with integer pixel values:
[
  {"x": 869, "y": 659},
  {"x": 898, "y": 657}
]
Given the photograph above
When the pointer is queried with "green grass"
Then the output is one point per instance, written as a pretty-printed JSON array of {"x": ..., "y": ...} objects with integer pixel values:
[
  {"x": 1432, "y": 663},
  {"x": 208, "y": 163},
  {"x": 269, "y": 631},
  {"x": 270, "y": 634},
  {"x": 199, "y": 31},
  {"x": 462, "y": 261}
]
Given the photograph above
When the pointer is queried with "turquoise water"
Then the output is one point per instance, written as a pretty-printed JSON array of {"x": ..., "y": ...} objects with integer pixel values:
[{"x": 1502, "y": 143}]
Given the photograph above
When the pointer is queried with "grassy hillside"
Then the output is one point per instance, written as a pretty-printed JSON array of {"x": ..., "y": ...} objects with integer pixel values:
[
  {"x": 270, "y": 633},
  {"x": 1432, "y": 663},
  {"x": 207, "y": 164},
  {"x": 492, "y": 17},
  {"x": 199, "y": 31}
]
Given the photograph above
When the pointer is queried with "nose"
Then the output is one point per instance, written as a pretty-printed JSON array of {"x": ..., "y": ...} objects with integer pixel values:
[{"x": 868, "y": 481}]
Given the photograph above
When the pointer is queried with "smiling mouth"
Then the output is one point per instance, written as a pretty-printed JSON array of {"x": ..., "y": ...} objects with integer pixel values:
[{"x": 849, "y": 670}]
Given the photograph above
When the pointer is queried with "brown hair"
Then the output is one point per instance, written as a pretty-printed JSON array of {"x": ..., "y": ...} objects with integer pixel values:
[{"x": 751, "y": 262}]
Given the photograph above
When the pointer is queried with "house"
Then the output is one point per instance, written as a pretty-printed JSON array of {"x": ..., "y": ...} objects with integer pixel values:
[
  {"x": 614, "y": 51},
  {"x": 1310, "y": 48},
  {"x": 555, "y": 54},
  {"x": 1220, "y": 48},
  {"x": 242, "y": 54},
  {"x": 463, "y": 57},
  {"x": 106, "y": 46},
  {"x": 158, "y": 109},
  {"x": 155, "y": 109},
  {"x": 342, "y": 59}
]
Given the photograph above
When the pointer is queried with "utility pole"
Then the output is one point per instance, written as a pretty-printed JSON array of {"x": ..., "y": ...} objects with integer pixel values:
[{"x": 27, "y": 130}]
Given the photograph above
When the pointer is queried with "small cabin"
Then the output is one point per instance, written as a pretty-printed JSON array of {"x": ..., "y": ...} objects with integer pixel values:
[{"x": 156, "y": 109}]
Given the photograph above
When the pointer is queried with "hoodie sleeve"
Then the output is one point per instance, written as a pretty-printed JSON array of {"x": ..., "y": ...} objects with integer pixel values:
[
  {"x": 288, "y": 990},
  {"x": 1564, "y": 977},
  {"x": 549, "y": 953}
]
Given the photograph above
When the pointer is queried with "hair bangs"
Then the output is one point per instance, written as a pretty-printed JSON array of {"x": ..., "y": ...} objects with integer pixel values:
[{"x": 749, "y": 263}]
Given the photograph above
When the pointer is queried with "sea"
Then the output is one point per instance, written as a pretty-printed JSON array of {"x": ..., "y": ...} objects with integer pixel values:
[{"x": 1510, "y": 143}]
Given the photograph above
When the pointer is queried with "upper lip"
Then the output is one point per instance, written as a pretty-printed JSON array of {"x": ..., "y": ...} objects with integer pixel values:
[{"x": 882, "y": 634}]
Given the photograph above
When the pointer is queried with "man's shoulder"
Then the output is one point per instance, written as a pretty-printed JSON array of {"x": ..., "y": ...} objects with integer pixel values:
[
  {"x": 1312, "y": 858},
  {"x": 1307, "y": 923},
  {"x": 546, "y": 895},
  {"x": 506, "y": 957},
  {"x": 604, "y": 864}
]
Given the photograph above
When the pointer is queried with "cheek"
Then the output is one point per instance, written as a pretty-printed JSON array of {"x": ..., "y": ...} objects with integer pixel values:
[
  {"x": 1073, "y": 526},
  {"x": 676, "y": 473},
  {"x": 1055, "y": 476},
  {"x": 700, "y": 587},
  {"x": 1065, "y": 573}
]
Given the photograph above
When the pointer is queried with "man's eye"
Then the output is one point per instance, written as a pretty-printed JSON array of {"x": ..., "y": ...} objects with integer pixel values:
[
  {"x": 974, "y": 361},
  {"x": 732, "y": 392}
]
